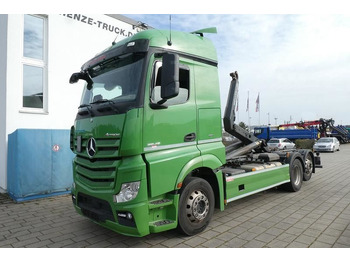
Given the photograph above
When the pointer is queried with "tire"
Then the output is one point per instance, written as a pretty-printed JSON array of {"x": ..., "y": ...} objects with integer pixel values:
[
  {"x": 296, "y": 174},
  {"x": 309, "y": 166},
  {"x": 196, "y": 206}
]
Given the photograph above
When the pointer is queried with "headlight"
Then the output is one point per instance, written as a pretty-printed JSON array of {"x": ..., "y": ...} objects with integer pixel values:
[{"x": 128, "y": 192}]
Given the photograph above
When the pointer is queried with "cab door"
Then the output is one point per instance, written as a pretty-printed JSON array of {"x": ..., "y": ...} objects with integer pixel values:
[{"x": 169, "y": 132}]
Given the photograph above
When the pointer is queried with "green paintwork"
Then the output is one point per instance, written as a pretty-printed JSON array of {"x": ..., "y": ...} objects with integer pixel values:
[
  {"x": 166, "y": 165},
  {"x": 148, "y": 145},
  {"x": 129, "y": 169},
  {"x": 255, "y": 181},
  {"x": 132, "y": 133},
  {"x": 211, "y": 30}
]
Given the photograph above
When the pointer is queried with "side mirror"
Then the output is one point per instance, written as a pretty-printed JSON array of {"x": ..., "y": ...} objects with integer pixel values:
[
  {"x": 75, "y": 77},
  {"x": 81, "y": 75},
  {"x": 170, "y": 76}
]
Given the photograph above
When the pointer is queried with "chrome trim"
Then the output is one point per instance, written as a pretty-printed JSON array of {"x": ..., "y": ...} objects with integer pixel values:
[
  {"x": 157, "y": 148},
  {"x": 251, "y": 173},
  {"x": 91, "y": 147},
  {"x": 210, "y": 140}
]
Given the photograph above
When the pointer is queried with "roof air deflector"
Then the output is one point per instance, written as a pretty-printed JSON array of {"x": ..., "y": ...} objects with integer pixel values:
[{"x": 210, "y": 30}]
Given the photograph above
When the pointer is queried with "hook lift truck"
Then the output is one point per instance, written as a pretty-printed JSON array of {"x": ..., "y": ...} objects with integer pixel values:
[{"x": 148, "y": 139}]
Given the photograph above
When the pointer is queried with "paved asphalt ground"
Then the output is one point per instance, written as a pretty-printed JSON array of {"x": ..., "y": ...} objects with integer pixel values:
[{"x": 318, "y": 216}]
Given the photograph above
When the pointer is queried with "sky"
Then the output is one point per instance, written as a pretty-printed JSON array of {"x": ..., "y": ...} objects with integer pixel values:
[
  {"x": 294, "y": 54},
  {"x": 298, "y": 64}
]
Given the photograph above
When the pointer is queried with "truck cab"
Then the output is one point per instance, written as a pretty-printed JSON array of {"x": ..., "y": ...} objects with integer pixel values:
[{"x": 149, "y": 116}]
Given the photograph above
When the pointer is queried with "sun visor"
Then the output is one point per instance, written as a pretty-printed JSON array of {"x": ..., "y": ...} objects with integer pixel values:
[{"x": 135, "y": 46}]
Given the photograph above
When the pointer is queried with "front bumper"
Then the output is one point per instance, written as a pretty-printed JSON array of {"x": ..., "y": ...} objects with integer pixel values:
[
  {"x": 133, "y": 222},
  {"x": 138, "y": 217},
  {"x": 323, "y": 149}
]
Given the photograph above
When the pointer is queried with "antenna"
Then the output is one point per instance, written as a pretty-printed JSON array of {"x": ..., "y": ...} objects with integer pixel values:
[
  {"x": 115, "y": 39},
  {"x": 169, "y": 41}
]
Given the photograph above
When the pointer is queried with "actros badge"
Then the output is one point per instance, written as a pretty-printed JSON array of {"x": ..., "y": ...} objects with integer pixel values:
[{"x": 91, "y": 147}]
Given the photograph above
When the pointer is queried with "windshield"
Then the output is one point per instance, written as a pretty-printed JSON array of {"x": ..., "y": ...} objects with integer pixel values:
[
  {"x": 325, "y": 140},
  {"x": 116, "y": 80}
]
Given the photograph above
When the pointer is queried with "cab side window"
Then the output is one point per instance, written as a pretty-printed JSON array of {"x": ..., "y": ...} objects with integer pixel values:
[{"x": 184, "y": 89}]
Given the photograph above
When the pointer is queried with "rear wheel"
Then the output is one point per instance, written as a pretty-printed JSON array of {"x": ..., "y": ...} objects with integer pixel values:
[
  {"x": 196, "y": 206},
  {"x": 309, "y": 165},
  {"x": 296, "y": 176}
]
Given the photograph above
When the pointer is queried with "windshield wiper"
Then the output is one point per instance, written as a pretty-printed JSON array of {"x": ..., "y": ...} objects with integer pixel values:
[
  {"x": 100, "y": 101},
  {"x": 110, "y": 102},
  {"x": 88, "y": 107}
]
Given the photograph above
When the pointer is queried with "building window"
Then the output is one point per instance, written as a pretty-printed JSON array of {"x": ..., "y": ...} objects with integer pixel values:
[{"x": 34, "y": 62}]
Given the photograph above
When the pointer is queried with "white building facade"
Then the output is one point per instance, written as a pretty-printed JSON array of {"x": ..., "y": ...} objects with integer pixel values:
[{"x": 38, "y": 54}]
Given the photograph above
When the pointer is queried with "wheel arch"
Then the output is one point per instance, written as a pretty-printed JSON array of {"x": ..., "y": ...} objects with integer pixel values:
[
  {"x": 296, "y": 155},
  {"x": 204, "y": 167}
]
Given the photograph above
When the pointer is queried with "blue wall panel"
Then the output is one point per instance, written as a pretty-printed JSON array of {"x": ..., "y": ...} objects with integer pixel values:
[{"x": 39, "y": 163}]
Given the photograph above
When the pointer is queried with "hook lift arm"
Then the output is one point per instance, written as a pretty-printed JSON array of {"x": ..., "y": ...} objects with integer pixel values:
[{"x": 249, "y": 140}]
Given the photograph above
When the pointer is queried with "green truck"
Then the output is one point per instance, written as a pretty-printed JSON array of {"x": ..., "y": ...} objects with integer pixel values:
[{"x": 148, "y": 138}]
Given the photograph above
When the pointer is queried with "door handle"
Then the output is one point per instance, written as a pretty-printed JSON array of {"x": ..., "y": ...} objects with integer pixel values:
[{"x": 190, "y": 137}]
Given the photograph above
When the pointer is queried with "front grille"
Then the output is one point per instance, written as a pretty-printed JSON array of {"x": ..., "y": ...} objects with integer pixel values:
[
  {"x": 98, "y": 172},
  {"x": 105, "y": 147},
  {"x": 95, "y": 208}
]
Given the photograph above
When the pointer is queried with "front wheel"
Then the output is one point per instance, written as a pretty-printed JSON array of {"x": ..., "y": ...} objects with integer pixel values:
[{"x": 196, "y": 206}]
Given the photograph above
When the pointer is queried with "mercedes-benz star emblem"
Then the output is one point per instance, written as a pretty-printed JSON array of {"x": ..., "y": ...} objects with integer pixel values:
[{"x": 91, "y": 147}]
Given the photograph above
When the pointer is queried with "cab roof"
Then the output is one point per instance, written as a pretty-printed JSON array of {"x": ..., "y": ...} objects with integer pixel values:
[
  {"x": 194, "y": 44},
  {"x": 190, "y": 44}
]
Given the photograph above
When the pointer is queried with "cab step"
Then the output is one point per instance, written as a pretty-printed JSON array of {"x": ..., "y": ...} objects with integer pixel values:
[
  {"x": 163, "y": 222},
  {"x": 160, "y": 203},
  {"x": 162, "y": 225}
]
